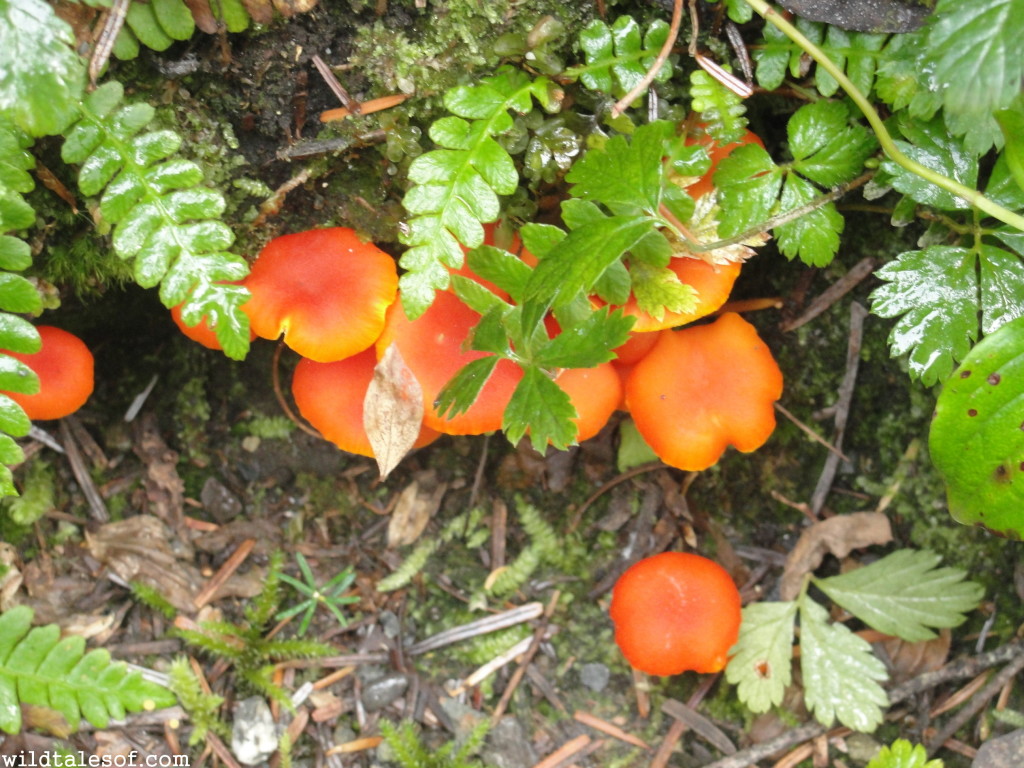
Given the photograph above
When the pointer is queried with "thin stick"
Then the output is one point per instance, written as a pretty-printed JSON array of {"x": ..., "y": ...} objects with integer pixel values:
[
  {"x": 97, "y": 507},
  {"x": 833, "y": 293},
  {"x": 230, "y": 566},
  {"x": 673, "y": 31},
  {"x": 612, "y": 730},
  {"x": 517, "y": 676},
  {"x": 366, "y": 108},
  {"x": 564, "y": 752},
  {"x": 810, "y": 432},
  {"x": 276, "y": 379},
  {"x": 990, "y": 691},
  {"x": 334, "y": 84}
]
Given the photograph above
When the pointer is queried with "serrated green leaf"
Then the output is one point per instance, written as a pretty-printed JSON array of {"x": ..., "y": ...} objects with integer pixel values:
[
  {"x": 721, "y": 110},
  {"x": 814, "y": 237},
  {"x": 625, "y": 175},
  {"x": 490, "y": 335},
  {"x": 929, "y": 144},
  {"x": 1011, "y": 123},
  {"x": 826, "y": 148},
  {"x": 505, "y": 270},
  {"x": 475, "y": 296},
  {"x": 462, "y": 390},
  {"x": 840, "y": 674},
  {"x": 761, "y": 661},
  {"x": 588, "y": 344},
  {"x": 495, "y": 166},
  {"x": 902, "y": 754},
  {"x": 905, "y": 594},
  {"x": 582, "y": 257},
  {"x": 772, "y": 57},
  {"x": 1001, "y": 283},
  {"x": 974, "y": 43},
  {"x": 539, "y": 239},
  {"x": 540, "y": 406},
  {"x": 658, "y": 289},
  {"x": 41, "y": 76},
  {"x": 934, "y": 292},
  {"x": 976, "y": 441},
  {"x": 748, "y": 185}
]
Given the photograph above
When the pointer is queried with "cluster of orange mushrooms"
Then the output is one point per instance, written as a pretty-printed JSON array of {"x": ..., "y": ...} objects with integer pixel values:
[{"x": 334, "y": 298}]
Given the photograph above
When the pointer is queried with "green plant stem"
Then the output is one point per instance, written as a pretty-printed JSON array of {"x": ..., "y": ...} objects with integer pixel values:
[{"x": 972, "y": 196}]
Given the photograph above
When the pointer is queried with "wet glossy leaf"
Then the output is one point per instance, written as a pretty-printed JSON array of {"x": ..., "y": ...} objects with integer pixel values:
[
  {"x": 760, "y": 663},
  {"x": 541, "y": 407},
  {"x": 930, "y": 144},
  {"x": 977, "y": 435}
]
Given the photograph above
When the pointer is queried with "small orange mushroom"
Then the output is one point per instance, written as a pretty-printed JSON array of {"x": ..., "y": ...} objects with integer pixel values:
[
  {"x": 330, "y": 396},
  {"x": 702, "y": 389},
  {"x": 676, "y": 612},
  {"x": 64, "y": 366},
  {"x": 432, "y": 346},
  {"x": 595, "y": 393},
  {"x": 326, "y": 290}
]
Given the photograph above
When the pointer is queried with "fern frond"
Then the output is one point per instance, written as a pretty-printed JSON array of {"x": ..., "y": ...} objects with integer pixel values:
[
  {"x": 164, "y": 221},
  {"x": 722, "y": 111},
  {"x": 455, "y": 188},
  {"x": 618, "y": 57},
  {"x": 38, "y": 667},
  {"x": 202, "y": 707}
]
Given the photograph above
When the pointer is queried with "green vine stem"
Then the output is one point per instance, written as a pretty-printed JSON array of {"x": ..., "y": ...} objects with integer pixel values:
[{"x": 972, "y": 196}]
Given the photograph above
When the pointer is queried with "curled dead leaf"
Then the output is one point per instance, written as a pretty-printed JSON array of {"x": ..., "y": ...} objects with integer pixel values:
[
  {"x": 837, "y": 536},
  {"x": 416, "y": 505}
]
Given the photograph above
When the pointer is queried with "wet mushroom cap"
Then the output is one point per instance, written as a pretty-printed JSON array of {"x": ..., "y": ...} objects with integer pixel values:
[
  {"x": 64, "y": 366},
  {"x": 702, "y": 389},
  {"x": 596, "y": 393},
  {"x": 330, "y": 397},
  {"x": 326, "y": 290},
  {"x": 676, "y": 612},
  {"x": 433, "y": 347}
]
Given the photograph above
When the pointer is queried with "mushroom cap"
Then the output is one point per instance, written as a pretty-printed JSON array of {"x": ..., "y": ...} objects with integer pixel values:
[
  {"x": 330, "y": 396},
  {"x": 712, "y": 282},
  {"x": 325, "y": 290},
  {"x": 676, "y": 612},
  {"x": 702, "y": 389},
  {"x": 596, "y": 393},
  {"x": 64, "y": 366},
  {"x": 635, "y": 348},
  {"x": 433, "y": 347}
]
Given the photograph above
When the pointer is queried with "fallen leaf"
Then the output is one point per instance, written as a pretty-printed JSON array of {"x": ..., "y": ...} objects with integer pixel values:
[
  {"x": 909, "y": 660},
  {"x": 10, "y": 580},
  {"x": 416, "y": 505},
  {"x": 837, "y": 536},
  {"x": 262, "y": 11},
  {"x": 392, "y": 410},
  {"x": 203, "y": 15}
]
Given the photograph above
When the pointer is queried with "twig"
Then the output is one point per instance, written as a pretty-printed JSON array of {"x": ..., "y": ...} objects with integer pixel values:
[
  {"x": 334, "y": 84},
  {"x": 833, "y": 293},
  {"x": 564, "y": 752},
  {"x": 828, "y": 473},
  {"x": 226, "y": 570},
  {"x": 673, "y": 31},
  {"x": 113, "y": 20},
  {"x": 97, "y": 507},
  {"x": 612, "y": 730},
  {"x": 275, "y": 378},
  {"x": 990, "y": 691},
  {"x": 366, "y": 108},
  {"x": 517, "y": 676},
  {"x": 695, "y": 720},
  {"x": 809, "y": 432}
]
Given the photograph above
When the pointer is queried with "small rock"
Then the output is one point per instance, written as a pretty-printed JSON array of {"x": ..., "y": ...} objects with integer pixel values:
[
  {"x": 221, "y": 504},
  {"x": 595, "y": 676},
  {"x": 1002, "y": 752},
  {"x": 862, "y": 748},
  {"x": 383, "y": 691},
  {"x": 508, "y": 746},
  {"x": 253, "y": 732},
  {"x": 389, "y": 623}
]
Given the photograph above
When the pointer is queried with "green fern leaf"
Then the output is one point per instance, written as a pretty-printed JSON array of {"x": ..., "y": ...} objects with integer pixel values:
[
  {"x": 38, "y": 667},
  {"x": 164, "y": 223},
  {"x": 618, "y": 57}
]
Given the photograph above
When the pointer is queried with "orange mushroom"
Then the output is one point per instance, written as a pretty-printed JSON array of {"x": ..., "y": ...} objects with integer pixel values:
[
  {"x": 717, "y": 153},
  {"x": 330, "y": 396},
  {"x": 712, "y": 282},
  {"x": 676, "y": 612},
  {"x": 595, "y": 393},
  {"x": 702, "y": 389},
  {"x": 432, "y": 346},
  {"x": 326, "y": 290},
  {"x": 635, "y": 348},
  {"x": 64, "y": 366}
]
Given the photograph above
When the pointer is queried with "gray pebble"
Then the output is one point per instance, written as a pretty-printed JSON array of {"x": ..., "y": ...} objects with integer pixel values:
[
  {"x": 1002, "y": 752},
  {"x": 383, "y": 691},
  {"x": 595, "y": 676},
  {"x": 253, "y": 732}
]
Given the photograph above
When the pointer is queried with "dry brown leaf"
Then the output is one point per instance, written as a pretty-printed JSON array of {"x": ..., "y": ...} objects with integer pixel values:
[
  {"x": 837, "y": 536},
  {"x": 262, "y": 11},
  {"x": 10, "y": 581},
  {"x": 392, "y": 410},
  {"x": 416, "y": 505},
  {"x": 203, "y": 15},
  {"x": 908, "y": 660},
  {"x": 164, "y": 488},
  {"x": 290, "y": 7}
]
